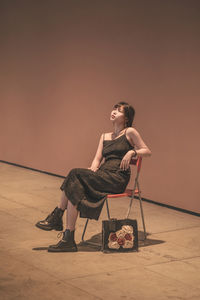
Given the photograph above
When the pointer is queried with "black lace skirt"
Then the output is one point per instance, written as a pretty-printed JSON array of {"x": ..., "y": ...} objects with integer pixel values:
[{"x": 88, "y": 190}]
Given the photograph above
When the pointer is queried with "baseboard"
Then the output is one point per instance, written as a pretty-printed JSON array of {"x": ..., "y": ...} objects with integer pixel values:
[
  {"x": 172, "y": 207},
  {"x": 32, "y": 169}
]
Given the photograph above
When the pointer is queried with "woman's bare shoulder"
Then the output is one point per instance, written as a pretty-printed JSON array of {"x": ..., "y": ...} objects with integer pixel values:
[
  {"x": 107, "y": 135},
  {"x": 131, "y": 131}
]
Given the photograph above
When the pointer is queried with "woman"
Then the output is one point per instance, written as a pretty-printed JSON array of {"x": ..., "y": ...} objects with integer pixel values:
[{"x": 84, "y": 190}]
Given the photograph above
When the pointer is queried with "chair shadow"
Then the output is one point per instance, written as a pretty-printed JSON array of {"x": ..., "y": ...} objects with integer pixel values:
[
  {"x": 148, "y": 241},
  {"x": 97, "y": 239}
]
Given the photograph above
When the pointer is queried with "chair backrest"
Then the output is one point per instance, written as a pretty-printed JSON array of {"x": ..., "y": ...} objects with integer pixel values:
[
  {"x": 128, "y": 192},
  {"x": 137, "y": 162}
]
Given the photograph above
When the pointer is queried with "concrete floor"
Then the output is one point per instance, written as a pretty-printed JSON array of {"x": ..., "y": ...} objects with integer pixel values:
[{"x": 167, "y": 265}]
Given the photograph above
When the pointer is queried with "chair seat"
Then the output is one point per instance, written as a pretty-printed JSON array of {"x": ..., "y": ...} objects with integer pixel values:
[{"x": 127, "y": 193}]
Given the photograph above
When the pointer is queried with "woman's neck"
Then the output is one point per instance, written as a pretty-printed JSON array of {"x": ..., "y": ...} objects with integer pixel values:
[{"x": 117, "y": 130}]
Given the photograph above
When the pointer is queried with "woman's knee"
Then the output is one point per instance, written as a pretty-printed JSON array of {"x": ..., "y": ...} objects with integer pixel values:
[
  {"x": 73, "y": 171},
  {"x": 76, "y": 172}
]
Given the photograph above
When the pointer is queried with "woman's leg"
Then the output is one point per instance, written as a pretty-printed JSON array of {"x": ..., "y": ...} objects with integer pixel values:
[
  {"x": 67, "y": 243},
  {"x": 63, "y": 201},
  {"x": 72, "y": 214}
]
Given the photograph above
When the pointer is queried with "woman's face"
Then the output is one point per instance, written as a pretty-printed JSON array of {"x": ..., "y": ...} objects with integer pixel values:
[{"x": 117, "y": 115}]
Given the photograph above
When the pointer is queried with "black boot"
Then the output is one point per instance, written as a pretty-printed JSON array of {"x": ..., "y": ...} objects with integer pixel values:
[
  {"x": 67, "y": 244},
  {"x": 53, "y": 221}
]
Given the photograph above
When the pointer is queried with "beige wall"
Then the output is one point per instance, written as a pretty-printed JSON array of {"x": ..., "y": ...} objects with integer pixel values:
[{"x": 65, "y": 63}]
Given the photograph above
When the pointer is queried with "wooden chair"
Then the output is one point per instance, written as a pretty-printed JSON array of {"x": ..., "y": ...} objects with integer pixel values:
[{"x": 132, "y": 193}]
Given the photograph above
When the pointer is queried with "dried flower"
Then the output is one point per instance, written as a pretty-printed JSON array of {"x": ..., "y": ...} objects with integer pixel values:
[{"x": 121, "y": 238}]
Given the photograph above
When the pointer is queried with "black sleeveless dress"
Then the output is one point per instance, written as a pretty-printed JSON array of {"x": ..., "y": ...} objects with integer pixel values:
[{"x": 87, "y": 189}]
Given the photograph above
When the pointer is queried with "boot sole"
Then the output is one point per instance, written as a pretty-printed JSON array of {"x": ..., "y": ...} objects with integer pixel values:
[
  {"x": 48, "y": 229},
  {"x": 62, "y": 250}
]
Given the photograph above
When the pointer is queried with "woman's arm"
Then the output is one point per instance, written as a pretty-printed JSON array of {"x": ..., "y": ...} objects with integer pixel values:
[
  {"x": 137, "y": 142},
  {"x": 98, "y": 157},
  {"x": 140, "y": 148}
]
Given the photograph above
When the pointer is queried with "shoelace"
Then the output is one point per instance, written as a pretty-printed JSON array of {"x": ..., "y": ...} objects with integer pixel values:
[{"x": 60, "y": 234}]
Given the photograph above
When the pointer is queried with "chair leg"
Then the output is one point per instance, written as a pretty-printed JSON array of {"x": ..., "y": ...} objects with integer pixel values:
[
  {"x": 141, "y": 208},
  {"x": 108, "y": 212},
  {"x": 142, "y": 213},
  {"x": 131, "y": 201},
  {"x": 85, "y": 227},
  {"x": 88, "y": 242},
  {"x": 130, "y": 205},
  {"x": 84, "y": 230}
]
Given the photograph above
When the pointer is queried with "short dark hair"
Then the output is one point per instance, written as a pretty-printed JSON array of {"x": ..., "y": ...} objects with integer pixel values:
[{"x": 129, "y": 112}]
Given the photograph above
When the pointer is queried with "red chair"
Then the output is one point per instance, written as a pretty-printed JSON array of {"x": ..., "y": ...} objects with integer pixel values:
[{"x": 132, "y": 193}]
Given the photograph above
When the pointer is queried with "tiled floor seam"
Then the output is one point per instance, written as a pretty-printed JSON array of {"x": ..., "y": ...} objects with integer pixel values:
[
  {"x": 22, "y": 204},
  {"x": 19, "y": 218},
  {"x": 178, "y": 229},
  {"x": 61, "y": 280},
  {"x": 25, "y": 206},
  {"x": 171, "y": 261},
  {"x": 176, "y": 244},
  {"x": 104, "y": 272},
  {"x": 189, "y": 285}
]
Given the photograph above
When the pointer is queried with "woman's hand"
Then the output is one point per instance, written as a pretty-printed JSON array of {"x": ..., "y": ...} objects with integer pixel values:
[
  {"x": 98, "y": 157},
  {"x": 125, "y": 162}
]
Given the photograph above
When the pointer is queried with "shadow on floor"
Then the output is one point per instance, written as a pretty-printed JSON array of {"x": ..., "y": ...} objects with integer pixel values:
[{"x": 96, "y": 241}]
